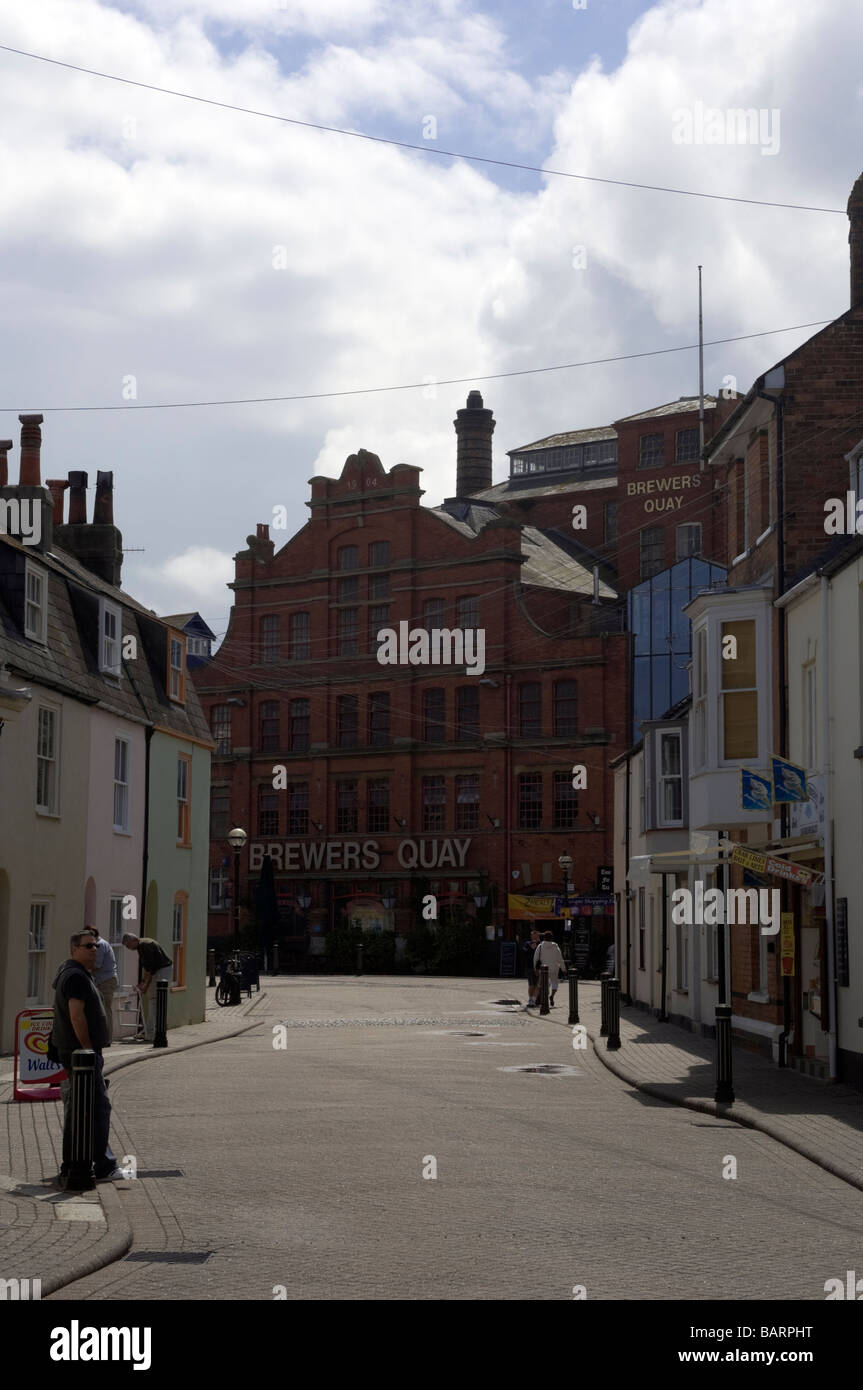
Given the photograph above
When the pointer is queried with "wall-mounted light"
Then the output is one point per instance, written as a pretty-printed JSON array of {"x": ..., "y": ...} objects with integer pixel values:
[
  {"x": 235, "y": 701},
  {"x": 400, "y": 820},
  {"x": 489, "y": 683},
  {"x": 318, "y": 824},
  {"x": 494, "y": 821}
]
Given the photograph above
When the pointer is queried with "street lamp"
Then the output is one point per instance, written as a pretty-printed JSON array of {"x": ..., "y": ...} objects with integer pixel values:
[
  {"x": 237, "y": 839},
  {"x": 565, "y": 862}
]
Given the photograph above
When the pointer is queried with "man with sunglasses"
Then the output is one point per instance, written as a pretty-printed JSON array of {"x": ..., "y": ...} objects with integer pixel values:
[{"x": 80, "y": 1021}]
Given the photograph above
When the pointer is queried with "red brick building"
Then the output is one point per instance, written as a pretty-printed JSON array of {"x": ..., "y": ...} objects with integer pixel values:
[
  {"x": 778, "y": 459},
  {"x": 647, "y": 500},
  {"x": 407, "y": 779}
]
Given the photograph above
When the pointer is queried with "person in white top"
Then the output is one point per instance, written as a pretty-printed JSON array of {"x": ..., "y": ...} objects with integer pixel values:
[{"x": 548, "y": 953}]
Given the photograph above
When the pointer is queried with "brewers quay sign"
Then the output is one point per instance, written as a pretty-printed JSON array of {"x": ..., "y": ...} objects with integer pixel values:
[
  {"x": 331, "y": 855},
  {"x": 673, "y": 484}
]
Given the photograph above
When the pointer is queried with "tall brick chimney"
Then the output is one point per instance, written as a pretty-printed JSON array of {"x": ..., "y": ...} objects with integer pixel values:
[
  {"x": 77, "y": 498},
  {"x": 5, "y": 446},
  {"x": 474, "y": 427},
  {"x": 57, "y": 488},
  {"x": 103, "y": 507},
  {"x": 855, "y": 241},
  {"x": 99, "y": 545},
  {"x": 31, "y": 449}
]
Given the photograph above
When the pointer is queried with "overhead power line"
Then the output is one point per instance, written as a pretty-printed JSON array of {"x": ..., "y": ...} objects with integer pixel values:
[
  {"x": 407, "y": 145},
  {"x": 413, "y": 385}
]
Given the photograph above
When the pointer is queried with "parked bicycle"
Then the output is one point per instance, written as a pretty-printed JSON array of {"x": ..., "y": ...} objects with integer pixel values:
[{"x": 237, "y": 972}]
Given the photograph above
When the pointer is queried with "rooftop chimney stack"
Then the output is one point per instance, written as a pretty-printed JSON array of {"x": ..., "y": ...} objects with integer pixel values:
[
  {"x": 5, "y": 446},
  {"x": 57, "y": 488},
  {"x": 99, "y": 545},
  {"x": 103, "y": 507},
  {"x": 474, "y": 427},
  {"x": 31, "y": 448},
  {"x": 77, "y": 499},
  {"x": 855, "y": 241}
]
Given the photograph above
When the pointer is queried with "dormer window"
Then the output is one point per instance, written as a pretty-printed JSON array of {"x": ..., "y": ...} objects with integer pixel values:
[
  {"x": 35, "y": 603},
  {"x": 176, "y": 667},
  {"x": 110, "y": 638}
]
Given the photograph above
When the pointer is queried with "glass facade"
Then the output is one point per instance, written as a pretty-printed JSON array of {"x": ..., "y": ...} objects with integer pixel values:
[{"x": 662, "y": 636}]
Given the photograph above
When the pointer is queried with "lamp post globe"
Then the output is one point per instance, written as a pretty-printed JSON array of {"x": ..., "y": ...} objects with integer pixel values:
[{"x": 237, "y": 839}]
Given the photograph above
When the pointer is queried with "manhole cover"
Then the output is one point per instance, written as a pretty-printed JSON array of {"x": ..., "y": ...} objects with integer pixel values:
[
  {"x": 546, "y": 1069},
  {"x": 170, "y": 1257},
  {"x": 455, "y": 1033},
  {"x": 161, "y": 1173}
]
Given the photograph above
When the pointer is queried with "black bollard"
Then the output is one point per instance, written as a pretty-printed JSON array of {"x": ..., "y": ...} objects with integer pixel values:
[
  {"x": 724, "y": 1094},
  {"x": 603, "y": 1016},
  {"x": 573, "y": 996},
  {"x": 275, "y": 969},
  {"x": 82, "y": 1101},
  {"x": 543, "y": 990},
  {"x": 211, "y": 969},
  {"x": 359, "y": 969},
  {"x": 160, "y": 1035},
  {"x": 613, "y": 1010}
]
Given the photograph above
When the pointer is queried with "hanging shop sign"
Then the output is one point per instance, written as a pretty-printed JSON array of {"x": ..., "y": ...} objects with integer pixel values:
[
  {"x": 756, "y": 790},
  {"x": 329, "y": 856},
  {"x": 789, "y": 781},
  {"x": 768, "y": 864},
  {"x": 526, "y": 907}
]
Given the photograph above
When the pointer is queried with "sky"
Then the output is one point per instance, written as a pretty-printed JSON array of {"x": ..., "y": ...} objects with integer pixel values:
[{"x": 156, "y": 251}]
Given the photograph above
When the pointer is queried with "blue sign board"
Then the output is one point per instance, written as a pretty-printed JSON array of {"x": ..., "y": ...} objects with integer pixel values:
[
  {"x": 789, "y": 781},
  {"x": 756, "y": 790}
]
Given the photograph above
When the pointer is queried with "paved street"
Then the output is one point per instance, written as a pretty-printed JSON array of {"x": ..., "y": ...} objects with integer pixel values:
[{"x": 303, "y": 1167}]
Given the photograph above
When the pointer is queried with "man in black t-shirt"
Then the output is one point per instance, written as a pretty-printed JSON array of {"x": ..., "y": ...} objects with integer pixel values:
[
  {"x": 155, "y": 965},
  {"x": 80, "y": 1022}
]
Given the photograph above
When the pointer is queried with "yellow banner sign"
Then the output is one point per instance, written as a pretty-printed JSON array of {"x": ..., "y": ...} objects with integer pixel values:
[{"x": 769, "y": 864}]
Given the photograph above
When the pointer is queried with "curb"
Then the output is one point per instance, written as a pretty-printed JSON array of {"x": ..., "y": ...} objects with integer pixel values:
[
  {"x": 117, "y": 1242},
  {"x": 118, "y": 1230},
  {"x": 154, "y": 1054},
  {"x": 739, "y": 1112}
]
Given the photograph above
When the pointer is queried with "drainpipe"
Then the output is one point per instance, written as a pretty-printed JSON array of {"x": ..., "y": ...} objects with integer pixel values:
[
  {"x": 507, "y": 803},
  {"x": 832, "y": 990},
  {"x": 663, "y": 1016},
  {"x": 627, "y": 891}
]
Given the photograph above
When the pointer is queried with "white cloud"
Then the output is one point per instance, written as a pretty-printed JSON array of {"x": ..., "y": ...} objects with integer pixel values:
[
  {"x": 194, "y": 580},
  {"x": 150, "y": 253}
]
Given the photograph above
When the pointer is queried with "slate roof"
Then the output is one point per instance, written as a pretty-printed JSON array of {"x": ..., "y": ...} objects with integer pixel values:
[
  {"x": 546, "y": 563},
  {"x": 69, "y": 661},
  {"x": 677, "y": 407},
  {"x": 555, "y": 441},
  {"x": 514, "y": 487}
]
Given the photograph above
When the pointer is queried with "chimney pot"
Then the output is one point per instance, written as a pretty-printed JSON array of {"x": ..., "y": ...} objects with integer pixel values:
[
  {"x": 474, "y": 427},
  {"x": 263, "y": 531},
  {"x": 855, "y": 241},
  {"x": 5, "y": 446},
  {"x": 57, "y": 487},
  {"x": 77, "y": 499},
  {"x": 31, "y": 448},
  {"x": 103, "y": 506}
]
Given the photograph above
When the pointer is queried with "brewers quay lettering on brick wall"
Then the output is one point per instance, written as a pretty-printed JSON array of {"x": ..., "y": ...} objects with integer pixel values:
[{"x": 357, "y": 854}]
